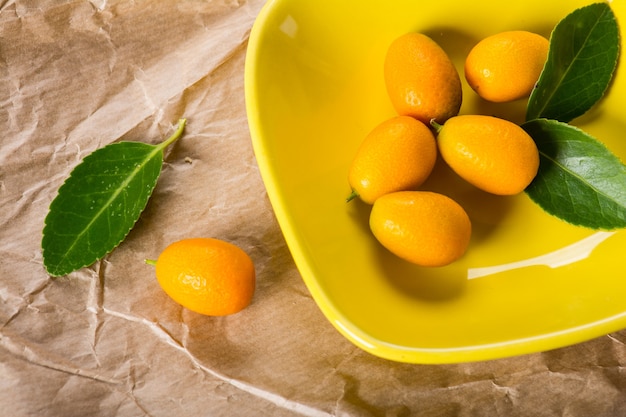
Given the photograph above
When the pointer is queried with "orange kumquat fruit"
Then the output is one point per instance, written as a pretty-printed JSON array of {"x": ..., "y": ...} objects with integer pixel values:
[
  {"x": 506, "y": 66},
  {"x": 421, "y": 80},
  {"x": 493, "y": 154},
  {"x": 422, "y": 227},
  {"x": 208, "y": 276},
  {"x": 398, "y": 154}
]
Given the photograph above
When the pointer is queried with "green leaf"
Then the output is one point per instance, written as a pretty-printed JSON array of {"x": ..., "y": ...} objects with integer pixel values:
[
  {"x": 100, "y": 202},
  {"x": 579, "y": 179},
  {"x": 584, "y": 48}
]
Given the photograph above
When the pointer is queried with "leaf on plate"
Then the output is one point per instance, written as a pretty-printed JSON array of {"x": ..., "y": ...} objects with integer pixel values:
[
  {"x": 579, "y": 180},
  {"x": 584, "y": 48},
  {"x": 100, "y": 202}
]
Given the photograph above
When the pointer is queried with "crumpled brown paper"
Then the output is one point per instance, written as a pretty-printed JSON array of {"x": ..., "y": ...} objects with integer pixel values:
[{"x": 106, "y": 341}]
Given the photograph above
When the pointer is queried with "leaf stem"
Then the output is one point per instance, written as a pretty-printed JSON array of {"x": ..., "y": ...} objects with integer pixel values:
[
  {"x": 435, "y": 125},
  {"x": 177, "y": 134},
  {"x": 352, "y": 196},
  {"x": 150, "y": 262}
]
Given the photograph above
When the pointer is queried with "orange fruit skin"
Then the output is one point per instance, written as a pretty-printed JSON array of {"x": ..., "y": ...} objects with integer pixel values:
[
  {"x": 398, "y": 154},
  {"x": 506, "y": 66},
  {"x": 421, "y": 80},
  {"x": 493, "y": 154},
  {"x": 208, "y": 276},
  {"x": 422, "y": 227}
]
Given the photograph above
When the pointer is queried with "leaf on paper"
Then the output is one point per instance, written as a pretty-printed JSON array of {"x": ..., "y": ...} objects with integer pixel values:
[
  {"x": 584, "y": 48},
  {"x": 579, "y": 180},
  {"x": 100, "y": 202}
]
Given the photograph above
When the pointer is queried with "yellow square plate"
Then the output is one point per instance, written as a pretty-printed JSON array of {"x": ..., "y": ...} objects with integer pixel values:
[{"x": 529, "y": 282}]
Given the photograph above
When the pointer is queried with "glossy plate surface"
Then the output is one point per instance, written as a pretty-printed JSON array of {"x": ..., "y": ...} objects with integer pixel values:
[{"x": 528, "y": 283}]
